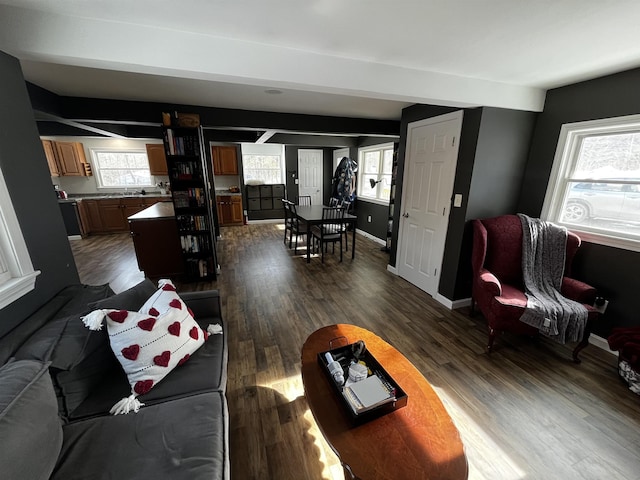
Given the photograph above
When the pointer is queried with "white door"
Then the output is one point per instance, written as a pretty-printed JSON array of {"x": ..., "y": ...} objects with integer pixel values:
[
  {"x": 430, "y": 165},
  {"x": 310, "y": 174}
]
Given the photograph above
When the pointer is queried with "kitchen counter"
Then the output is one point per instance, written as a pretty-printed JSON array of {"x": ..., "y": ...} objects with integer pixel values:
[
  {"x": 155, "y": 212},
  {"x": 224, "y": 193},
  {"x": 98, "y": 196}
]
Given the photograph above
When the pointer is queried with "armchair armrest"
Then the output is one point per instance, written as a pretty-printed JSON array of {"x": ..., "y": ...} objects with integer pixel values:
[
  {"x": 203, "y": 304},
  {"x": 578, "y": 291},
  {"x": 487, "y": 281}
]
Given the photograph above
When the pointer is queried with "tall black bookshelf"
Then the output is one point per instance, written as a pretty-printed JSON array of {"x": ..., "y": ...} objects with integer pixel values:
[
  {"x": 190, "y": 179},
  {"x": 392, "y": 199}
]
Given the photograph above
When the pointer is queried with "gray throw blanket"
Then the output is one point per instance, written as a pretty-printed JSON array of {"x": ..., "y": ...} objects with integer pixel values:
[{"x": 544, "y": 247}]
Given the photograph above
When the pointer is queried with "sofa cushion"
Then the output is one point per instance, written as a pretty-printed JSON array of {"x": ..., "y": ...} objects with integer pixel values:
[
  {"x": 183, "y": 439},
  {"x": 70, "y": 300},
  {"x": 130, "y": 299},
  {"x": 151, "y": 343},
  {"x": 187, "y": 379},
  {"x": 29, "y": 424}
]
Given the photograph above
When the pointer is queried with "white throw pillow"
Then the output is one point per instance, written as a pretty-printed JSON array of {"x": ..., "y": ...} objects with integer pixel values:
[{"x": 150, "y": 343}]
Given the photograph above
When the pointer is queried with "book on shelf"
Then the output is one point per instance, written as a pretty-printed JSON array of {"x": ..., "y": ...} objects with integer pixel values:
[
  {"x": 368, "y": 394},
  {"x": 181, "y": 145}
]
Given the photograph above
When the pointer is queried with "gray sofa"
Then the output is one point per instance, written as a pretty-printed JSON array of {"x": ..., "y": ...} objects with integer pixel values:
[{"x": 58, "y": 381}]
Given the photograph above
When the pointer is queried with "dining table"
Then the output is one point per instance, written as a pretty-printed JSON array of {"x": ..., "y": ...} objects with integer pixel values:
[{"x": 312, "y": 215}]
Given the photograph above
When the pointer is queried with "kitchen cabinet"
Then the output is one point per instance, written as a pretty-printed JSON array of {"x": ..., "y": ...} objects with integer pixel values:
[
  {"x": 225, "y": 160},
  {"x": 50, "y": 154},
  {"x": 71, "y": 159},
  {"x": 111, "y": 215},
  {"x": 157, "y": 259},
  {"x": 157, "y": 159},
  {"x": 230, "y": 209},
  {"x": 66, "y": 159},
  {"x": 90, "y": 216}
]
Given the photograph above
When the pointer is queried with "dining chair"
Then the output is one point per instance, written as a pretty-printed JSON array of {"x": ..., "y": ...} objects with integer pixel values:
[
  {"x": 333, "y": 202},
  {"x": 287, "y": 218},
  {"x": 304, "y": 200},
  {"x": 330, "y": 230},
  {"x": 346, "y": 204},
  {"x": 294, "y": 226}
]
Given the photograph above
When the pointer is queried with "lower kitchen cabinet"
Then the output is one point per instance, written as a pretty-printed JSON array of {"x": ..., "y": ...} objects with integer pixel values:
[
  {"x": 111, "y": 215},
  {"x": 230, "y": 210},
  {"x": 157, "y": 259},
  {"x": 90, "y": 216}
]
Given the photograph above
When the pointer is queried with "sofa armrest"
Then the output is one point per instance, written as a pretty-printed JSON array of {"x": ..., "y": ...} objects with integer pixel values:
[
  {"x": 204, "y": 304},
  {"x": 578, "y": 291},
  {"x": 488, "y": 282}
]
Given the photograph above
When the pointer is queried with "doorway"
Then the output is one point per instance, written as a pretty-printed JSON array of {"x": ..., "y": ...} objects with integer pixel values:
[
  {"x": 430, "y": 166},
  {"x": 310, "y": 181}
]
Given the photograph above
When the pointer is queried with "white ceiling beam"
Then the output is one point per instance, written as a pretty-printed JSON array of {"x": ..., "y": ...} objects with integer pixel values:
[
  {"x": 266, "y": 136},
  {"x": 68, "y": 40}
]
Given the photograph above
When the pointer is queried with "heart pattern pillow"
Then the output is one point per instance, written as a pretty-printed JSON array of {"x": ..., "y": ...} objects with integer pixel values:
[{"x": 150, "y": 343}]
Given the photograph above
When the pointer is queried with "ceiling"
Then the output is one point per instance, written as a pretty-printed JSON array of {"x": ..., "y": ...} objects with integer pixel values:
[{"x": 348, "y": 58}]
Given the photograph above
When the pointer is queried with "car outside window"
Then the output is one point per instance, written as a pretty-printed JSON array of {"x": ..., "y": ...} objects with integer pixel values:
[{"x": 594, "y": 187}]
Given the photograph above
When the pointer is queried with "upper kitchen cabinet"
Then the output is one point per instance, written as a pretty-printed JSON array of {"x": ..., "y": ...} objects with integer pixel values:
[
  {"x": 157, "y": 159},
  {"x": 225, "y": 160},
  {"x": 66, "y": 159},
  {"x": 50, "y": 153}
]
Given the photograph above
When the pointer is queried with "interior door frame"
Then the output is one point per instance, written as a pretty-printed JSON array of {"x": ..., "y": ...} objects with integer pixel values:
[{"x": 457, "y": 115}]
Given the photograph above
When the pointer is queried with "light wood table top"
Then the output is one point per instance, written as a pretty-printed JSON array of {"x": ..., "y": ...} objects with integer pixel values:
[
  {"x": 418, "y": 441},
  {"x": 155, "y": 212}
]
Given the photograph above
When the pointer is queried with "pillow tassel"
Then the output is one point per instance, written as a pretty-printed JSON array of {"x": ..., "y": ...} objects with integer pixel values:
[
  {"x": 125, "y": 405},
  {"x": 214, "y": 329},
  {"x": 93, "y": 320}
]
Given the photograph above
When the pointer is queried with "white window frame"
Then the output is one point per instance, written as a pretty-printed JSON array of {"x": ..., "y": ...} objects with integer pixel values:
[
  {"x": 96, "y": 166},
  {"x": 267, "y": 150},
  {"x": 567, "y": 151},
  {"x": 17, "y": 276},
  {"x": 361, "y": 183}
]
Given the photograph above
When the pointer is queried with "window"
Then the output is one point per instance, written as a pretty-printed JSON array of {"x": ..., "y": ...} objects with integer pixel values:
[
  {"x": 375, "y": 163},
  {"x": 595, "y": 181},
  {"x": 17, "y": 276},
  {"x": 262, "y": 163},
  {"x": 121, "y": 169}
]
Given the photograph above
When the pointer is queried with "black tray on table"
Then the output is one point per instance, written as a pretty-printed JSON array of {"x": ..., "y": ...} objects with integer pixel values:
[{"x": 344, "y": 355}]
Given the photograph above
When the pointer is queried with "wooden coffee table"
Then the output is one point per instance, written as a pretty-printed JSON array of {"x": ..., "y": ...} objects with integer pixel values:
[{"x": 418, "y": 441}]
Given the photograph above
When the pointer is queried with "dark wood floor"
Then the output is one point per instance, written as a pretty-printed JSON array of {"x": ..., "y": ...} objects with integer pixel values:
[{"x": 525, "y": 412}]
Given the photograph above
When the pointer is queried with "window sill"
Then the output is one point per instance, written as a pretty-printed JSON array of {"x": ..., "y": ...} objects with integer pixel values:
[
  {"x": 15, "y": 288},
  {"x": 607, "y": 240}
]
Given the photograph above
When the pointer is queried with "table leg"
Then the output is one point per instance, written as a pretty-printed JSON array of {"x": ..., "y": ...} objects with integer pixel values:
[
  {"x": 308, "y": 242},
  {"x": 353, "y": 242}
]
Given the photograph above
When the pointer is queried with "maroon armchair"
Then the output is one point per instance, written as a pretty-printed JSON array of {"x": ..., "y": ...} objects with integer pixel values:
[{"x": 498, "y": 289}]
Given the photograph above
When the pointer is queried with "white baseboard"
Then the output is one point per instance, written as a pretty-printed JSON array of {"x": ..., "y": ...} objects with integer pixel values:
[
  {"x": 602, "y": 343},
  {"x": 594, "y": 339},
  {"x": 266, "y": 220},
  {"x": 74, "y": 237},
  {"x": 371, "y": 237},
  {"x": 392, "y": 269}
]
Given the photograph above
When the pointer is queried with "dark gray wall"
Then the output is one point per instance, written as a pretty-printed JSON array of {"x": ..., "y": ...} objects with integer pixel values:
[
  {"x": 496, "y": 176},
  {"x": 613, "y": 271},
  {"x": 28, "y": 180},
  {"x": 493, "y": 150}
]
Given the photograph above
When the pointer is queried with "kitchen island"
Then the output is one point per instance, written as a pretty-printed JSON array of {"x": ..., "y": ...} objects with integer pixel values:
[{"x": 156, "y": 241}]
